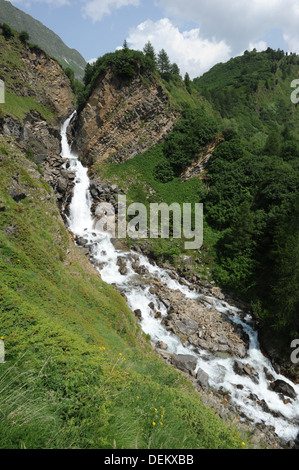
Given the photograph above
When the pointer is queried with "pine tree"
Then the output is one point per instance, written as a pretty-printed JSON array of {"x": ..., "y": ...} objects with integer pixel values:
[
  {"x": 125, "y": 46},
  {"x": 187, "y": 81},
  {"x": 175, "y": 69},
  {"x": 149, "y": 51},
  {"x": 163, "y": 62}
]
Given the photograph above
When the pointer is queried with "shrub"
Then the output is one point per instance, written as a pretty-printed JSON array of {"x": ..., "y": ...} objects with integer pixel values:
[
  {"x": 163, "y": 172},
  {"x": 7, "y": 31}
]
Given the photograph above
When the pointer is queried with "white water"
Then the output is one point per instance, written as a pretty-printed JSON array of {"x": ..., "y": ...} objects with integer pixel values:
[{"x": 136, "y": 289}]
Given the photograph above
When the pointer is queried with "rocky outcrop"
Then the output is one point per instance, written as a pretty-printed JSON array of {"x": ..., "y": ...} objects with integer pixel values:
[
  {"x": 123, "y": 118},
  {"x": 200, "y": 164},
  {"x": 44, "y": 99},
  {"x": 60, "y": 179},
  {"x": 41, "y": 78},
  {"x": 33, "y": 133}
]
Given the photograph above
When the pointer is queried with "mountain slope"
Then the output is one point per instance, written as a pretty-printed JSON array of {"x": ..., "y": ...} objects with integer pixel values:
[
  {"x": 42, "y": 36},
  {"x": 79, "y": 372}
]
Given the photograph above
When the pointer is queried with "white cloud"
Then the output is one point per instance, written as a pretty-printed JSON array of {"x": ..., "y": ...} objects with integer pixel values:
[
  {"x": 259, "y": 46},
  {"x": 188, "y": 49},
  {"x": 239, "y": 22},
  {"x": 97, "y": 9}
]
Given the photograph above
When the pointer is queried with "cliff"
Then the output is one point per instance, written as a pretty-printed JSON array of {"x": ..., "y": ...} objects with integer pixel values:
[{"x": 123, "y": 118}]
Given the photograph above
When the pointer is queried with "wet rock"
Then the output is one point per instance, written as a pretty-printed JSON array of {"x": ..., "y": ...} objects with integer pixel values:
[
  {"x": 141, "y": 270},
  {"x": 245, "y": 370},
  {"x": 185, "y": 363},
  {"x": 62, "y": 185},
  {"x": 280, "y": 386},
  {"x": 81, "y": 241},
  {"x": 162, "y": 346},
  {"x": 122, "y": 263},
  {"x": 268, "y": 375},
  {"x": 203, "y": 379},
  {"x": 138, "y": 314}
]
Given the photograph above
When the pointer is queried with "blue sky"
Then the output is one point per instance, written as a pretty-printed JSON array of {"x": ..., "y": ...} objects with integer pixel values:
[{"x": 196, "y": 33}]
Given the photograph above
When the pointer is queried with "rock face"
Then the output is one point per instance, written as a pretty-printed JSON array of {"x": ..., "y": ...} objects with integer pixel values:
[
  {"x": 42, "y": 79},
  {"x": 123, "y": 118},
  {"x": 34, "y": 132},
  {"x": 197, "y": 167},
  {"x": 44, "y": 90}
]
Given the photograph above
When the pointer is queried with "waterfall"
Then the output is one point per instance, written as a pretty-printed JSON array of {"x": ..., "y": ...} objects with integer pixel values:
[{"x": 138, "y": 294}]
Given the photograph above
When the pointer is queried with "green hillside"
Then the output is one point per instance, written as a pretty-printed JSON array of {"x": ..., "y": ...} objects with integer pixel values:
[
  {"x": 249, "y": 188},
  {"x": 79, "y": 372},
  {"x": 43, "y": 37}
]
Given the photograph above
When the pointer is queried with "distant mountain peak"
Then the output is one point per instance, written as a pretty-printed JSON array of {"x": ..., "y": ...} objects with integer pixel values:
[{"x": 43, "y": 37}]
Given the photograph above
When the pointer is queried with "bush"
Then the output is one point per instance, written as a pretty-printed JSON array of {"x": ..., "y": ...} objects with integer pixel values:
[
  {"x": 7, "y": 31},
  {"x": 163, "y": 172},
  {"x": 192, "y": 133},
  {"x": 24, "y": 36}
]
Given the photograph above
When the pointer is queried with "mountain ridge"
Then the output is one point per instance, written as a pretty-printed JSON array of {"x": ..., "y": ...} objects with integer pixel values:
[{"x": 44, "y": 37}]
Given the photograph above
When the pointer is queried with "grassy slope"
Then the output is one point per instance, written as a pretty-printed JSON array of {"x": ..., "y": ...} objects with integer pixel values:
[
  {"x": 44, "y": 37},
  {"x": 79, "y": 372}
]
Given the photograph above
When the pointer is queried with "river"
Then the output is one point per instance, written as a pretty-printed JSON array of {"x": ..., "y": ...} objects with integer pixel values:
[{"x": 139, "y": 295}]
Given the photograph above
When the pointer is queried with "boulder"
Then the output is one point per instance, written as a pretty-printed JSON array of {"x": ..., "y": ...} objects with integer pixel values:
[
  {"x": 203, "y": 379},
  {"x": 162, "y": 346},
  {"x": 245, "y": 369},
  {"x": 81, "y": 241},
  {"x": 216, "y": 292},
  {"x": 187, "y": 326},
  {"x": 138, "y": 314},
  {"x": 17, "y": 194},
  {"x": 185, "y": 363},
  {"x": 280, "y": 386}
]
